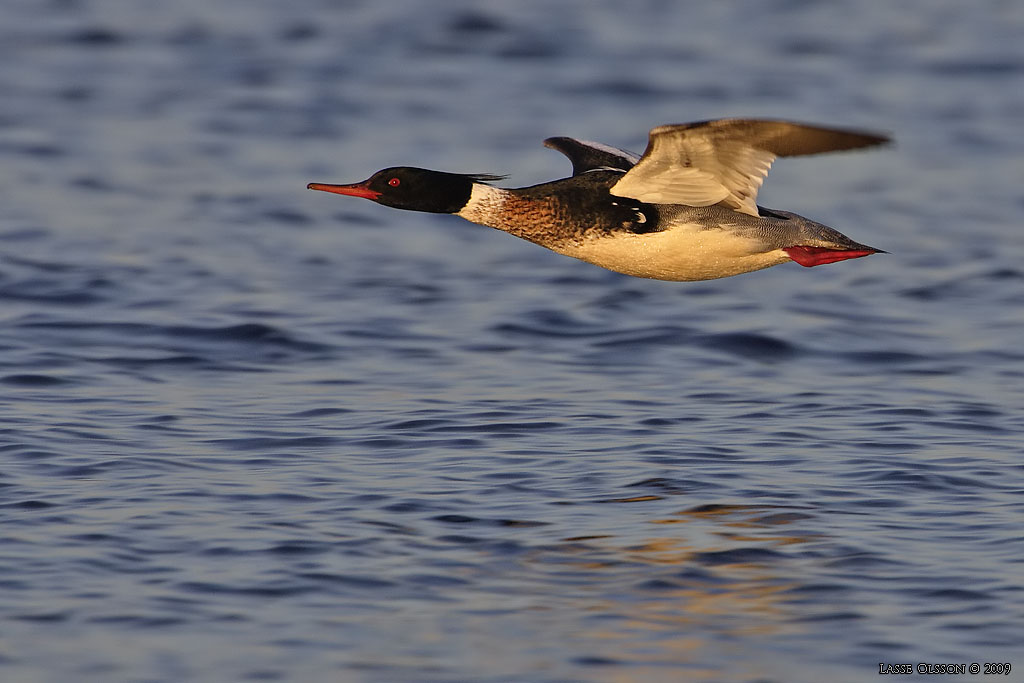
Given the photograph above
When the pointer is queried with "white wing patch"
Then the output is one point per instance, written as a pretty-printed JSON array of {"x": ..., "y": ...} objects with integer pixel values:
[{"x": 687, "y": 167}]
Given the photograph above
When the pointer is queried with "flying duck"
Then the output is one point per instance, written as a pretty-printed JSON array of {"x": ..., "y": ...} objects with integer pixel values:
[{"x": 686, "y": 209}]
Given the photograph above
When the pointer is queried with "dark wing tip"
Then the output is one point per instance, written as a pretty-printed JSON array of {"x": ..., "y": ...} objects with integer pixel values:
[
  {"x": 781, "y": 137},
  {"x": 792, "y": 138},
  {"x": 852, "y": 138},
  {"x": 557, "y": 143},
  {"x": 588, "y": 156}
]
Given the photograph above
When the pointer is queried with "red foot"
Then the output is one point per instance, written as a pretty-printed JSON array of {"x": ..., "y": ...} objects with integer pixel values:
[{"x": 817, "y": 256}]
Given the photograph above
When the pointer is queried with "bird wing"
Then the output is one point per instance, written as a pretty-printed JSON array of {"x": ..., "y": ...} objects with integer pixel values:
[
  {"x": 589, "y": 156},
  {"x": 704, "y": 163}
]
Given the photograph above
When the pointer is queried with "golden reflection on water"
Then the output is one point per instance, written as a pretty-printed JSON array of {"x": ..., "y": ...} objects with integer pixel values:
[{"x": 684, "y": 611}]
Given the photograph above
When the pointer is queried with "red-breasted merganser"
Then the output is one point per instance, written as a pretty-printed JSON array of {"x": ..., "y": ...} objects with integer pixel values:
[{"x": 684, "y": 210}]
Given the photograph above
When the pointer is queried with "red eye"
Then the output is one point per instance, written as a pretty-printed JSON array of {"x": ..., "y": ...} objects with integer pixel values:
[{"x": 394, "y": 182}]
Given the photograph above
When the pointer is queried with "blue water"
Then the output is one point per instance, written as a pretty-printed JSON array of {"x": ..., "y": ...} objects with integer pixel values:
[{"x": 251, "y": 432}]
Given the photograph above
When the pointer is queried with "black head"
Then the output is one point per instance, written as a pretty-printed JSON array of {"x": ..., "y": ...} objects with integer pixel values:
[{"x": 413, "y": 189}]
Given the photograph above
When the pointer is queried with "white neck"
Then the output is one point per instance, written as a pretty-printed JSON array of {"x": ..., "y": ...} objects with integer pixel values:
[{"x": 484, "y": 205}]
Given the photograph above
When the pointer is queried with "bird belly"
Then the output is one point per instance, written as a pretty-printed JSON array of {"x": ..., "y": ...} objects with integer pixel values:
[{"x": 684, "y": 251}]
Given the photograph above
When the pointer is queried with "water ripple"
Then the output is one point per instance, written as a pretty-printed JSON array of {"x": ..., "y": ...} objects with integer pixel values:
[{"x": 256, "y": 433}]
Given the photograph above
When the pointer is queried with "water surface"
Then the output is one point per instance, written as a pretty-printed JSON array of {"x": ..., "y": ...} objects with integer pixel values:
[{"x": 256, "y": 433}]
